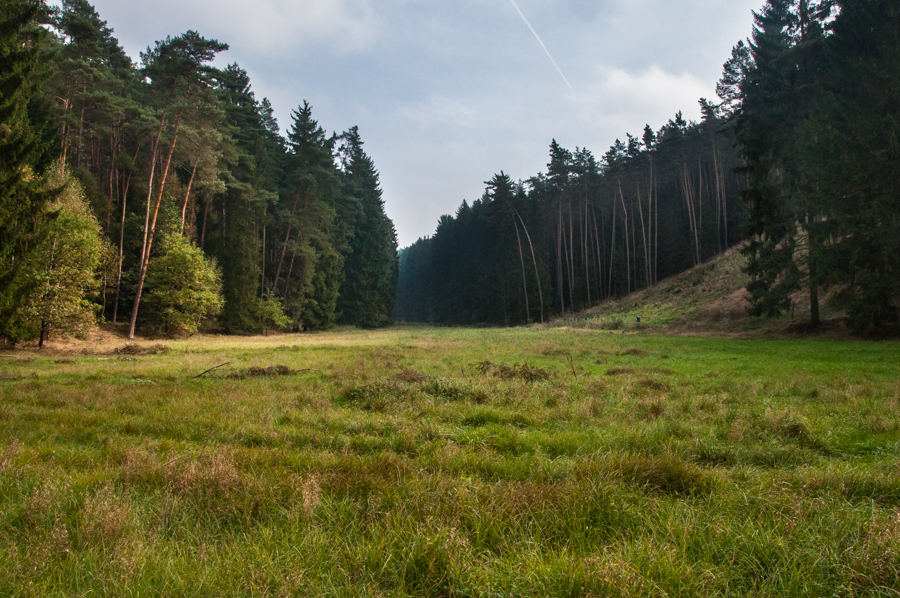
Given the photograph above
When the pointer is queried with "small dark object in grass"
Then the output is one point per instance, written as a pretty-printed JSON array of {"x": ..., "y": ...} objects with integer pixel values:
[
  {"x": 412, "y": 377},
  {"x": 635, "y": 352},
  {"x": 65, "y": 361}
]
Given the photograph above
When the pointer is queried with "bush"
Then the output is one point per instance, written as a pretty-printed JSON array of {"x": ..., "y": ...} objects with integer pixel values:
[
  {"x": 59, "y": 271},
  {"x": 183, "y": 288}
]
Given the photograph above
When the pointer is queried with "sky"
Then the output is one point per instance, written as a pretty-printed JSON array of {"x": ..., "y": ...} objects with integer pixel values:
[{"x": 447, "y": 93}]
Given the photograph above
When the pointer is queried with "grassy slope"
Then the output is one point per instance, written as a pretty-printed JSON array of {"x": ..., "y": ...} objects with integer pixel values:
[
  {"x": 661, "y": 467},
  {"x": 710, "y": 298}
]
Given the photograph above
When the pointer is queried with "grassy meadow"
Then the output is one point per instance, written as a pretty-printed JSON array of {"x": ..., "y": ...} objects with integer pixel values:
[{"x": 445, "y": 462}]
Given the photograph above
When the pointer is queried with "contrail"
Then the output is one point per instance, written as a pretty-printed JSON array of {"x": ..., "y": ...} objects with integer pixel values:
[{"x": 537, "y": 37}]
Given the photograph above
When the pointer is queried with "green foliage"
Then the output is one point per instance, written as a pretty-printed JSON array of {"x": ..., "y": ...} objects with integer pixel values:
[
  {"x": 818, "y": 131},
  {"x": 370, "y": 283},
  {"x": 183, "y": 288},
  {"x": 23, "y": 66},
  {"x": 60, "y": 270},
  {"x": 270, "y": 314}
]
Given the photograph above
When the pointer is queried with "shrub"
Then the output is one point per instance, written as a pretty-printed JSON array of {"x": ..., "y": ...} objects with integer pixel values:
[{"x": 183, "y": 288}]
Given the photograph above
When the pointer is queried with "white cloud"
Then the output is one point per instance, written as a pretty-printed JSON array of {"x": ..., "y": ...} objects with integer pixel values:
[
  {"x": 264, "y": 27},
  {"x": 651, "y": 96},
  {"x": 273, "y": 25}
]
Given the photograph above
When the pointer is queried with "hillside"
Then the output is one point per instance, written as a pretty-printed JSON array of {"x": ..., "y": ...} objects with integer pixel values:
[{"x": 710, "y": 298}]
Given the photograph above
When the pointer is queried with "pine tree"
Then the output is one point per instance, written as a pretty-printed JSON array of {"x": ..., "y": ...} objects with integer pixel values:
[{"x": 180, "y": 75}]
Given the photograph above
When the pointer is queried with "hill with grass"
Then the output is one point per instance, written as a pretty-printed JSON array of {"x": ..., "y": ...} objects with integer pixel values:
[{"x": 710, "y": 298}]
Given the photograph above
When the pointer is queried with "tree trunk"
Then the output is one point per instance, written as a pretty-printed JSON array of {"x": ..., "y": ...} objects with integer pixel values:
[
  {"x": 81, "y": 122},
  {"x": 599, "y": 255},
  {"x": 524, "y": 279},
  {"x": 262, "y": 289},
  {"x": 537, "y": 276},
  {"x": 585, "y": 243},
  {"x": 150, "y": 227},
  {"x": 184, "y": 204},
  {"x": 287, "y": 238},
  {"x": 124, "y": 201},
  {"x": 627, "y": 240},
  {"x": 571, "y": 254},
  {"x": 205, "y": 217},
  {"x": 644, "y": 239},
  {"x": 814, "y": 317},
  {"x": 655, "y": 223},
  {"x": 559, "y": 261},
  {"x": 612, "y": 248}
]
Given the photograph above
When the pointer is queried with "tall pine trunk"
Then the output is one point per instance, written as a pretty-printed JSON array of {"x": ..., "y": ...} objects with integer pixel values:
[{"x": 148, "y": 236}]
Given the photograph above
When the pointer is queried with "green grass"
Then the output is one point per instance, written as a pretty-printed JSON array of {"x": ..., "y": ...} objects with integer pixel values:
[{"x": 612, "y": 465}]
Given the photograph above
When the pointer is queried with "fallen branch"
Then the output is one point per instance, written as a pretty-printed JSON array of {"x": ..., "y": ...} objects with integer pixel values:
[
  {"x": 211, "y": 370},
  {"x": 572, "y": 365}
]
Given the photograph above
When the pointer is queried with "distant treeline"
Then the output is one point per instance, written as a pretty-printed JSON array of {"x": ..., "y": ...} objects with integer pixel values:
[
  {"x": 800, "y": 157},
  {"x": 162, "y": 193},
  {"x": 585, "y": 231}
]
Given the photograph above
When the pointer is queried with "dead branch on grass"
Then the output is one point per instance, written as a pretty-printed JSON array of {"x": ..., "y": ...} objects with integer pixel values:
[{"x": 211, "y": 370}]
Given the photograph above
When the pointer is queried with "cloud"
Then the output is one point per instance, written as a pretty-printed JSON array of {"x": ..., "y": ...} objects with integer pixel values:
[
  {"x": 440, "y": 110},
  {"x": 277, "y": 25},
  {"x": 265, "y": 27},
  {"x": 650, "y": 96}
]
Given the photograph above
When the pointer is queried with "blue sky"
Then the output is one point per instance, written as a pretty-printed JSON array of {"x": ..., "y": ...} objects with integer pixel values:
[{"x": 447, "y": 93}]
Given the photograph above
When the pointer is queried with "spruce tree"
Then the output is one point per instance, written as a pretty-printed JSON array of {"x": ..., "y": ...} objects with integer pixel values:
[
  {"x": 369, "y": 288},
  {"x": 309, "y": 269},
  {"x": 23, "y": 147}
]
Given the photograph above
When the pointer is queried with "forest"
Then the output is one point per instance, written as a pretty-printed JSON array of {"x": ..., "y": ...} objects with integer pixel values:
[
  {"x": 797, "y": 160},
  {"x": 162, "y": 194}
]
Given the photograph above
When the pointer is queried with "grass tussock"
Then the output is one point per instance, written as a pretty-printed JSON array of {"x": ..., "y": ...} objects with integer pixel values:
[
  {"x": 713, "y": 468},
  {"x": 524, "y": 371},
  {"x": 140, "y": 349},
  {"x": 258, "y": 372}
]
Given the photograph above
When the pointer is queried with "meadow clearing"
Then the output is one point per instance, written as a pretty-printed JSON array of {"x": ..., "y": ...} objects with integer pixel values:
[{"x": 452, "y": 462}]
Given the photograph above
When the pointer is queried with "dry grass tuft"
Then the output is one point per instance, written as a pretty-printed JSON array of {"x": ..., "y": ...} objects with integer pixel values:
[
  {"x": 107, "y": 518},
  {"x": 652, "y": 409},
  {"x": 140, "y": 350},
  {"x": 594, "y": 407},
  {"x": 43, "y": 501},
  {"x": 523, "y": 372},
  {"x": 58, "y": 540},
  {"x": 214, "y": 474},
  {"x": 620, "y": 371},
  {"x": 257, "y": 372},
  {"x": 312, "y": 496},
  {"x": 412, "y": 377},
  {"x": 9, "y": 455},
  {"x": 666, "y": 474},
  {"x": 651, "y": 384},
  {"x": 7, "y": 377}
]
